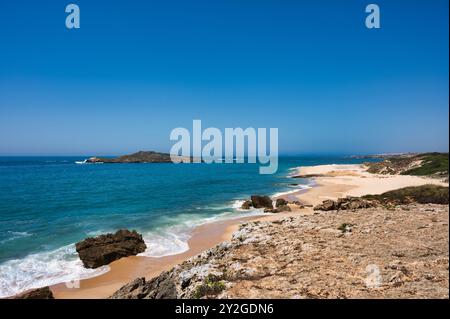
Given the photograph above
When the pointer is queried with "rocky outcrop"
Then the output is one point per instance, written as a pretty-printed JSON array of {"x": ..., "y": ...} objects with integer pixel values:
[
  {"x": 257, "y": 201},
  {"x": 40, "y": 293},
  {"x": 283, "y": 208},
  {"x": 161, "y": 287},
  {"x": 279, "y": 209},
  {"x": 281, "y": 202},
  {"x": 345, "y": 204},
  {"x": 350, "y": 254},
  {"x": 104, "y": 249},
  {"x": 247, "y": 204},
  {"x": 326, "y": 205},
  {"x": 281, "y": 205},
  {"x": 261, "y": 201}
]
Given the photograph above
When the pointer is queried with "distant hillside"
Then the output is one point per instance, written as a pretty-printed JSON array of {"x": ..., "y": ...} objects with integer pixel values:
[
  {"x": 426, "y": 164},
  {"x": 139, "y": 157},
  {"x": 424, "y": 194}
]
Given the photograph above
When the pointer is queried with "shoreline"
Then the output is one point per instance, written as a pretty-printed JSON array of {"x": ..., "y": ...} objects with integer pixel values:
[
  {"x": 126, "y": 269},
  {"x": 337, "y": 181}
]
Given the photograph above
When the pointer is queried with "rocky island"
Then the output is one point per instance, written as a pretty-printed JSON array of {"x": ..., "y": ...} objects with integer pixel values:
[{"x": 138, "y": 157}]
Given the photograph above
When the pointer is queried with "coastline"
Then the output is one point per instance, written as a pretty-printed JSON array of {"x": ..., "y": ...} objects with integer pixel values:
[
  {"x": 334, "y": 181},
  {"x": 127, "y": 269}
]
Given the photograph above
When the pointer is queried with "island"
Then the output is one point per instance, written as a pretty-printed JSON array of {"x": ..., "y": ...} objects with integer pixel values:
[{"x": 138, "y": 157}]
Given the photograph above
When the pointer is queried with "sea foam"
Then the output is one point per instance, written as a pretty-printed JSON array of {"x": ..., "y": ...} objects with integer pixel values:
[
  {"x": 43, "y": 269},
  {"x": 63, "y": 265}
]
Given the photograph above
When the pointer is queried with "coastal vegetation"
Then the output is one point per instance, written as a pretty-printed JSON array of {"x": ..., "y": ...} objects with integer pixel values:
[
  {"x": 432, "y": 164},
  {"x": 212, "y": 285},
  {"x": 425, "y": 164},
  {"x": 425, "y": 194}
]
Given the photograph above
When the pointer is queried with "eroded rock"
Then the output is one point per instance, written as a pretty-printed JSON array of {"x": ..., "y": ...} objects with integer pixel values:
[
  {"x": 281, "y": 202},
  {"x": 161, "y": 287},
  {"x": 247, "y": 204},
  {"x": 104, "y": 249},
  {"x": 347, "y": 203},
  {"x": 261, "y": 201},
  {"x": 40, "y": 293}
]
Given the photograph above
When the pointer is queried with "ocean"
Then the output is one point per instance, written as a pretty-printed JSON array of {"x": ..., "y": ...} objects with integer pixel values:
[{"x": 47, "y": 204}]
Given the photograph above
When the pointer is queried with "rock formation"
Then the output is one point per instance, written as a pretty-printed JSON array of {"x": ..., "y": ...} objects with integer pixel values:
[
  {"x": 350, "y": 254},
  {"x": 161, "y": 287},
  {"x": 281, "y": 202},
  {"x": 261, "y": 201},
  {"x": 40, "y": 293},
  {"x": 247, "y": 204},
  {"x": 346, "y": 203},
  {"x": 104, "y": 249}
]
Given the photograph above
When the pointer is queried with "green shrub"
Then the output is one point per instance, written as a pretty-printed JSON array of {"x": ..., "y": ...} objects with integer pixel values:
[
  {"x": 212, "y": 285},
  {"x": 433, "y": 163},
  {"x": 425, "y": 194}
]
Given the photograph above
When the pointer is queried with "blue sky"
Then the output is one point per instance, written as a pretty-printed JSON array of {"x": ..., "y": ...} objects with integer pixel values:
[{"x": 137, "y": 69}]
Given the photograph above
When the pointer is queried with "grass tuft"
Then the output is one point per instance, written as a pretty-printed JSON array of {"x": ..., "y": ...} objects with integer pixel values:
[{"x": 212, "y": 285}]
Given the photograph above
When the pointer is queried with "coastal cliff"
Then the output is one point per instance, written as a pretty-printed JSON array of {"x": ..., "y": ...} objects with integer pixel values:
[{"x": 365, "y": 253}]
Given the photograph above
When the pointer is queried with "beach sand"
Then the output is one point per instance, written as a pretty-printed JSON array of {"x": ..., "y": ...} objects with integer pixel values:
[
  {"x": 335, "y": 181},
  {"x": 353, "y": 180}
]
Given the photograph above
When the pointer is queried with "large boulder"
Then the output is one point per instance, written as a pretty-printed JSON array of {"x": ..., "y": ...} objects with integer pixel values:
[
  {"x": 40, "y": 293},
  {"x": 247, "y": 204},
  {"x": 104, "y": 249},
  {"x": 261, "y": 201},
  {"x": 281, "y": 202}
]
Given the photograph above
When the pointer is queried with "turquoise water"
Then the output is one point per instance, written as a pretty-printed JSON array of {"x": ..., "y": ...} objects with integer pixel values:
[{"x": 49, "y": 203}]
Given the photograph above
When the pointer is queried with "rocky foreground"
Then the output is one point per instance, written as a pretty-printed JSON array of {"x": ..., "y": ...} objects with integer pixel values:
[{"x": 375, "y": 252}]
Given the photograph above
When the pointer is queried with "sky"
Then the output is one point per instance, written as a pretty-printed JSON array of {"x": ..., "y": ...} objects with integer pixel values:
[{"x": 136, "y": 69}]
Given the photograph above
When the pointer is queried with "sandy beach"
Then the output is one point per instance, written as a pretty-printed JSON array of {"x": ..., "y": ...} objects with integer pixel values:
[
  {"x": 353, "y": 180},
  {"x": 333, "y": 181}
]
